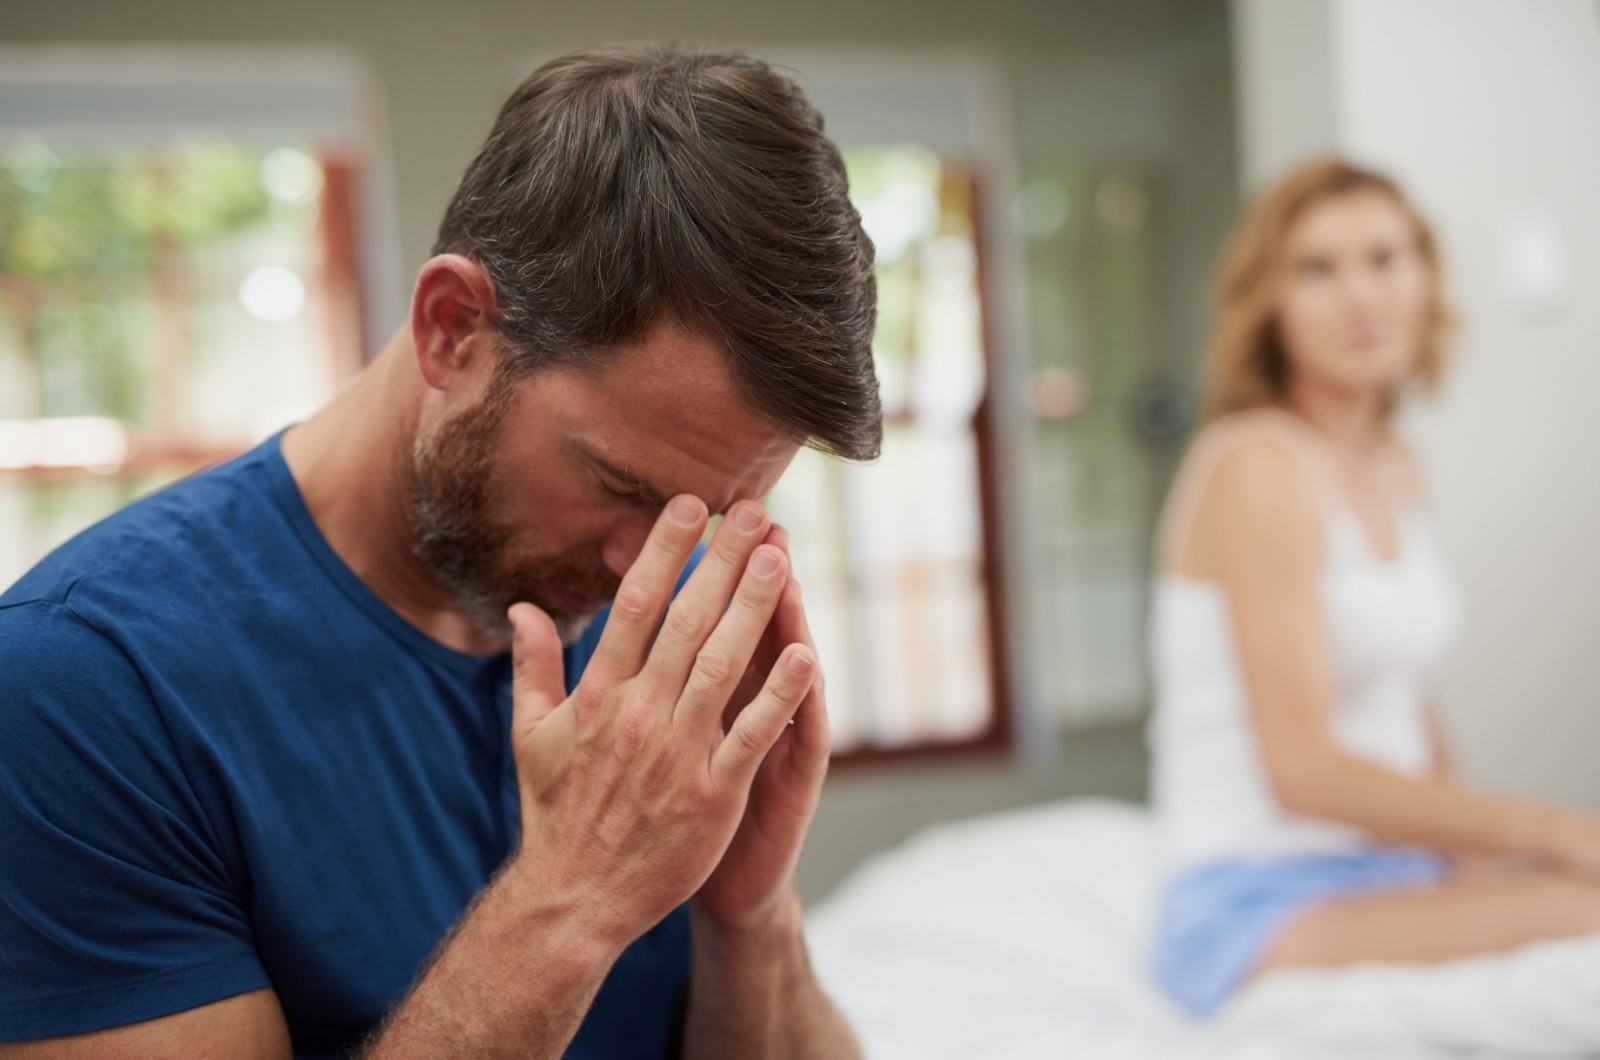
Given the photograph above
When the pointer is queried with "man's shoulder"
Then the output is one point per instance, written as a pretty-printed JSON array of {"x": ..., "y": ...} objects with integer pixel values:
[
  {"x": 68, "y": 694},
  {"x": 71, "y": 626},
  {"x": 159, "y": 546},
  {"x": 47, "y": 638}
]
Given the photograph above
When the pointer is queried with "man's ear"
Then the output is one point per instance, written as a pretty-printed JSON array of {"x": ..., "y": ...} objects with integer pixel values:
[{"x": 452, "y": 318}]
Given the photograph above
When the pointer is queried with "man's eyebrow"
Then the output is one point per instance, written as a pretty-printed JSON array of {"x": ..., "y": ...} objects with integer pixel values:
[{"x": 642, "y": 489}]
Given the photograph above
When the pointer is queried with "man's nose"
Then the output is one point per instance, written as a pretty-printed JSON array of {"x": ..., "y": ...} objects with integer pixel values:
[{"x": 625, "y": 542}]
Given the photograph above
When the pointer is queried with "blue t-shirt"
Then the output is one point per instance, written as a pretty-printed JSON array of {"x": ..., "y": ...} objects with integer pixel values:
[{"x": 226, "y": 764}]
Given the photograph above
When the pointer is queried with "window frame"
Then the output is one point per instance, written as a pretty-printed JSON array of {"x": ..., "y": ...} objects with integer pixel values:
[
  {"x": 950, "y": 102},
  {"x": 121, "y": 96}
]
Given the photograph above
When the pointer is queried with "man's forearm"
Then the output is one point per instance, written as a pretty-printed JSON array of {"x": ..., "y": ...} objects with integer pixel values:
[
  {"x": 752, "y": 993},
  {"x": 514, "y": 978}
]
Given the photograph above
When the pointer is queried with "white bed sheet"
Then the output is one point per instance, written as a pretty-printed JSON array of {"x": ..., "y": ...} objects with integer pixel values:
[{"x": 1022, "y": 936}]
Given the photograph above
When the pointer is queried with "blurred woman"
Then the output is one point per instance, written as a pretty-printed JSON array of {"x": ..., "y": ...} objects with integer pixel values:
[{"x": 1308, "y": 809}]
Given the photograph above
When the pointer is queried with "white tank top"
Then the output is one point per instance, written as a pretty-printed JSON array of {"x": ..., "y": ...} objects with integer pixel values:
[{"x": 1389, "y": 624}]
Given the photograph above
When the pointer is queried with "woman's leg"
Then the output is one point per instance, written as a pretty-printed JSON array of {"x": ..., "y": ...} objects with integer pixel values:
[{"x": 1459, "y": 918}]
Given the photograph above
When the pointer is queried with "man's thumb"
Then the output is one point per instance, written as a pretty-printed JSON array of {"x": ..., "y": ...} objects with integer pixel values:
[{"x": 536, "y": 670}]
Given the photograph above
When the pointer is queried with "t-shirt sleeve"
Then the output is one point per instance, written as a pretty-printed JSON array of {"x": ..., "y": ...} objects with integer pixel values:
[{"x": 119, "y": 901}]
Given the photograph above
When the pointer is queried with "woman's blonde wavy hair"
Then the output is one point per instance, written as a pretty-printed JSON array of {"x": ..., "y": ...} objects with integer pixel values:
[{"x": 1246, "y": 365}]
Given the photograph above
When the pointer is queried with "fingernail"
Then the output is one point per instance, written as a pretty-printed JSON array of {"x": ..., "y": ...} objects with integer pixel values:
[
  {"x": 685, "y": 512},
  {"x": 747, "y": 518},
  {"x": 764, "y": 564},
  {"x": 799, "y": 662}
]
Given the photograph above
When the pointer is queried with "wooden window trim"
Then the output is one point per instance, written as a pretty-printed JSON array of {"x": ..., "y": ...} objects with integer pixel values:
[{"x": 996, "y": 739}]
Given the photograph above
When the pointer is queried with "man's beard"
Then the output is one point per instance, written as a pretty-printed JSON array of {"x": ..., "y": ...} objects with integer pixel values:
[{"x": 461, "y": 539}]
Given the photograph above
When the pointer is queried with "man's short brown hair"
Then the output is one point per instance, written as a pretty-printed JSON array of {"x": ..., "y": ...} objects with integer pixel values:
[{"x": 623, "y": 182}]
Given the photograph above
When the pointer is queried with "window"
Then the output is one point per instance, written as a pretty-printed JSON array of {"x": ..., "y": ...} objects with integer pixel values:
[
  {"x": 893, "y": 554},
  {"x": 1102, "y": 423},
  {"x": 900, "y": 559},
  {"x": 179, "y": 276}
]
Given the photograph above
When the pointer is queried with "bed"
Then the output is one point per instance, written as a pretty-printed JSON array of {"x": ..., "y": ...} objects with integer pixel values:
[{"x": 1021, "y": 936}]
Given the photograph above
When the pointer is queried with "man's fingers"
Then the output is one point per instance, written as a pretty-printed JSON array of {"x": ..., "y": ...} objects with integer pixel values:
[
  {"x": 537, "y": 685},
  {"x": 645, "y": 590},
  {"x": 760, "y": 724},
  {"x": 722, "y": 661},
  {"x": 813, "y": 736},
  {"x": 789, "y": 620},
  {"x": 699, "y": 606}
]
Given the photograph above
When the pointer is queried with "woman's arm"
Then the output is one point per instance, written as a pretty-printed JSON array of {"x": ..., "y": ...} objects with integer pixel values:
[
  {"x": 1444, "y": 762},
  {"x": 1467, "y": 863},
  {"x": 1258, "y": 532}
]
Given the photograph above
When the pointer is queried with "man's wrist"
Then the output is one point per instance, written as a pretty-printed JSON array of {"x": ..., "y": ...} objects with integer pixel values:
[
  {"x": 514, "y": 977},
  {"x": 756, "y": 961},
  {"x": 752, "y": 992},
  {"x": 741, "y": 991},
  {"x": 595, "y": 932},
  {"x": 775, "y": 930}
]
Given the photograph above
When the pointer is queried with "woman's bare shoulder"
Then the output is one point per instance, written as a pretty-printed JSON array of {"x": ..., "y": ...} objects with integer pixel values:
[
  {"x": 1262, "y": 477},
  {"x": 1258, "y": 449},
  {"x": 1257, "y": 491},
  {"x": 1266, "y": 421}
]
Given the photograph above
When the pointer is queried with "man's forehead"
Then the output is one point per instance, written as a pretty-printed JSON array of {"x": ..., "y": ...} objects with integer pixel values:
[
  {"x": 658, "y": 465},
  {"x": 666, "y": 415}
]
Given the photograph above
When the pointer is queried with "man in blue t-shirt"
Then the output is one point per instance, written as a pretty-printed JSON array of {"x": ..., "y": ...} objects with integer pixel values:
[{"x": 427, "y": 728}]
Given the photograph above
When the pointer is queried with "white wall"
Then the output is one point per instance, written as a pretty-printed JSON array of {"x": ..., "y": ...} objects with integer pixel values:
[
  {"x": 1286, "y": 97},
  {"x": 1488, "y": 111}
]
